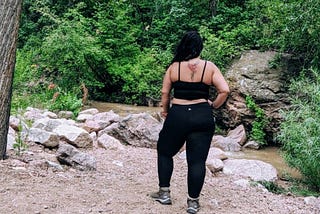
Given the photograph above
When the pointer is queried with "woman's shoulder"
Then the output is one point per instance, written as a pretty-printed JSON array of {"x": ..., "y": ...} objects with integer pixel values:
[
  {"x": 210, "y": 65},
  {"x": 173, "y": 66}
]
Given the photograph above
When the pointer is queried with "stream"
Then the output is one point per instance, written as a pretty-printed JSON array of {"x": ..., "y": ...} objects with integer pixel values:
[{"x": 269, "y": 155}]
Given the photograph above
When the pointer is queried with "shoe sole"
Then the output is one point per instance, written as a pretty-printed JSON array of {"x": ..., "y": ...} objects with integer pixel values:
[
  {"x": 192, "y": 210},
  {"x": 164, "y": 201}
]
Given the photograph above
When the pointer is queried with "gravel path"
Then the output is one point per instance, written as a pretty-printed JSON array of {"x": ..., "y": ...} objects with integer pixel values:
[{"x": 121, "y": 185}]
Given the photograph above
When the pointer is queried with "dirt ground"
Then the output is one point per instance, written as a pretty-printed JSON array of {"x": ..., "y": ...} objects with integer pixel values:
[{"x": 121, "y": 185}]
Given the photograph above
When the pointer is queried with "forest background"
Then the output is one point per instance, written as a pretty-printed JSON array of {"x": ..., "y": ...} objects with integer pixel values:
[{"x": 119, "y": 50}]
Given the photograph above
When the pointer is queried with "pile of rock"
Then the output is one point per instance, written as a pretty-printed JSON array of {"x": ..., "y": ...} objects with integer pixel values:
[{"x": 71, "y": 137}]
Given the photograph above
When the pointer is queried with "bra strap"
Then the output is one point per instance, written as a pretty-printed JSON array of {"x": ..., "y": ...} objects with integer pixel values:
[
  {"x": 179, "y": 72},
  {"x": 205, "y": 64}
]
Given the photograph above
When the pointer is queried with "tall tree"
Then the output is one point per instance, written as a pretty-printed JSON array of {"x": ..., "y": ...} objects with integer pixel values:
[{"x": 10, "y": 11}]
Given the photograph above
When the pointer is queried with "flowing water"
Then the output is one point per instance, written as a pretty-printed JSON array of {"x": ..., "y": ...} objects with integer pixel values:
[{"x": 269, "y": 155}]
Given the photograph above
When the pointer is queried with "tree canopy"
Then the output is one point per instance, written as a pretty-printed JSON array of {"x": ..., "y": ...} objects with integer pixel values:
[{"x": 120, "y": 49}]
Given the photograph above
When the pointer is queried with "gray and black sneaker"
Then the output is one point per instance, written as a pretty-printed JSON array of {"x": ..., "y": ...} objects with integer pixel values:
[
  {"x": 193, "y": 206},
  {"x": 162, "y": 196}
]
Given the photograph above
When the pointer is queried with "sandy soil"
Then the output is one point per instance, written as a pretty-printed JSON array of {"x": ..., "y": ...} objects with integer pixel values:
[{"x": 121, "y": 185}]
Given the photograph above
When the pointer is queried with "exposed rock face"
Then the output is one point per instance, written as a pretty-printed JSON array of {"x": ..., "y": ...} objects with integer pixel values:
[{"x": 252, "y": 75}]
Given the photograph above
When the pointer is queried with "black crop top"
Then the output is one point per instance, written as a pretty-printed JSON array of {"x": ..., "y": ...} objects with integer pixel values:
[{"x": 190, "y": 90}]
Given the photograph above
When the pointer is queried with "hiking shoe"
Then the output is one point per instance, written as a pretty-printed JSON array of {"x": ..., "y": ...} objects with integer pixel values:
[
  {"x": 162, "y": 196},
  {"x": 193, "y": 206}
]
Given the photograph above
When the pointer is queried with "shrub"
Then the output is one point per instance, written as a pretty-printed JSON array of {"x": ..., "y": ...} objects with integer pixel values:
[
  {"x": 300, "y": 130},
  {"x": 257, "y": 131},
  {"x": 217, "y": 50}
]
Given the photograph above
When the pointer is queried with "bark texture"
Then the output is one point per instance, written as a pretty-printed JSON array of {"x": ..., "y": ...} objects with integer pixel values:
[{"x": 10, "y": 11}]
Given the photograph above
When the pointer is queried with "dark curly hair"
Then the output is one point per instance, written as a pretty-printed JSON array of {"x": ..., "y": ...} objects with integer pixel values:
[{"x": 189, "y": 47}]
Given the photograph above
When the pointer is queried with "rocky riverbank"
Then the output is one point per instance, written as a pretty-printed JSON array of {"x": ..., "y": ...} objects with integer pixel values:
[{"x": 89, "y": 170}]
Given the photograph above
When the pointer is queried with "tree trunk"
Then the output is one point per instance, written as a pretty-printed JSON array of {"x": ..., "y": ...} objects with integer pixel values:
[
  {"x": 214, "y": 7},
  {"x": 10, "y": 11}
]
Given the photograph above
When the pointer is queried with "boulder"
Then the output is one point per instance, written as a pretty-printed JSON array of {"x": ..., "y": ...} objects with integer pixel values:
[
  {"x": 84, "y": 117},
  {"x": 238, "y": 135},
  {"x": 216, "y": 153},
  {"x": 65, "y": 114},
  {"x": 214, "y": 165},
  {"x": 252, "y": 145},
  {"x": 255, "y": 169},
  {"x": 252, "y": 75},
  {"x": 11, "y": 138},
  {"x": 91, "y": 111},
  {"x": 49, "y": 124},
  {"x": 43, "y": 137},
  {"x": 69, "y": 155},
  {"x": 108, "y": 142},
  {"x": 225, "y": 143},
  {"x": 33, "y": 114},
  {"x": 74, "y": 136},
  {"x": 100, "y": 121},
  {"x": 139, "y": 130}
]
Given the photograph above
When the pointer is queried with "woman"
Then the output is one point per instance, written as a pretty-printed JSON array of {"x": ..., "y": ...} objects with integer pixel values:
[{"x": 189, "y": 119}]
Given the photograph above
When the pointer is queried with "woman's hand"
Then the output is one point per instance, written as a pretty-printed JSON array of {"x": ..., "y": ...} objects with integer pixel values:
[{"x": 163, "y": 114}]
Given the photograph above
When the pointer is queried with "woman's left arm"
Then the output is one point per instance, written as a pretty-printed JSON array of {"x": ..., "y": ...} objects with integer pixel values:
[{"x": 222, "y": 88}]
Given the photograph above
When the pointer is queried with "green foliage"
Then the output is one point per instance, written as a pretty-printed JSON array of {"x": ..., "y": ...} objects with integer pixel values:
[
  {"x": 69, "y": 54},
  {"x": 217, "y": 50},
  {"x": 291, "y": 26},
  {"x": 302, "y": 189},
  {"x": 257, "y": 131},
  {"x": 51, "y": 97},
  {"x": 59, "y": 100},
  {"x": 102, "y": 43},
  {"x": 300, "y": 130},
  {"x": 144, "y": 80},
  {"x": 296, "y": 187},
  {"x": 273, "y": 187},
  {"x": 276, "y": 62},
  {"x": 20, "y": 146},
  {"x": 233, "y": 23}
]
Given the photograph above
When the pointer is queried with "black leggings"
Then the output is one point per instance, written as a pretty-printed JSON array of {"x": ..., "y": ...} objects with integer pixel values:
[{"x": 193, "y": 124}]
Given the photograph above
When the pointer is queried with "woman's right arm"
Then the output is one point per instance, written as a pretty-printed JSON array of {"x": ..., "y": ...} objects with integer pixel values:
[{"x": 165, "y": 93}]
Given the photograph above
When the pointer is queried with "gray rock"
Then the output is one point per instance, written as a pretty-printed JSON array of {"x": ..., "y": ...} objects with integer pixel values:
[
  {"x": 226, "y": 143},
  {"x": 74, "y": 136},
  {"x": 69, "y": 155},
  {"x": 100, "y": 121},
  {"x": 238, "y": 134},
  {"x": 91, "y": 111},
  {"x": 217, "y": 153},
  {"x": 252, "y": 145},
  {"x": 254, "y": 169},
  {"x": 141, "y": 130},
  {"x": 252, "y": 75},
  {"x": 108, "y": 142},
  {"x": 49, "y": 124},
  {"x": 65, "y": 114},
  {"x": 11, "y": 138},
  {"x": 43, "y": 137},
  {"x": 214, "y": 165}
]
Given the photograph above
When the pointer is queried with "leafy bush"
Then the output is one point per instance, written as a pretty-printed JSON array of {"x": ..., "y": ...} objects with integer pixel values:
[
  {"x": 291, "y": 26},
  {"x": 51, "y": 97},
  {"x": 301, "y": 127},
  {"x": 66, "y": 101},
  {"x": 217, "y": 50},
  {"x": 69, "y": 54},
  {"x": 144, "y": 80},
  {"x": 257, "y": 131}
]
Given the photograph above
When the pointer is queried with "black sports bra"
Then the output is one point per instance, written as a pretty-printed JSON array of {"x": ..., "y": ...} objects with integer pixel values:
[{"x": 190, "y": 90}]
